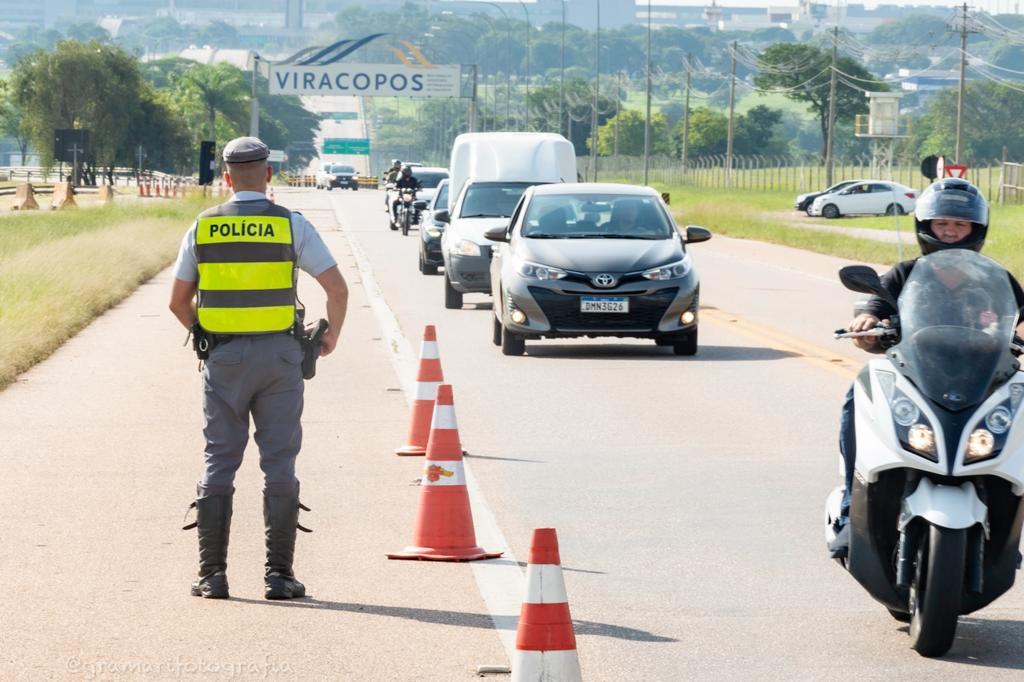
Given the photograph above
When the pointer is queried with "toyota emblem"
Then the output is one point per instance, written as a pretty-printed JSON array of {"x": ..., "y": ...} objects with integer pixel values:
[{"x": 604, "y": 280}]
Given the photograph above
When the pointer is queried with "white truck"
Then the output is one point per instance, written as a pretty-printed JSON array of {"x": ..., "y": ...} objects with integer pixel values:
[{"x": 489, "y": 173}]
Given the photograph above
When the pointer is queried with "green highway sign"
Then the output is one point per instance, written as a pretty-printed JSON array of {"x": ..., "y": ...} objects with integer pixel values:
[
  {"x": 347, "y": 145},
  {"x": 345, "y": 116}
]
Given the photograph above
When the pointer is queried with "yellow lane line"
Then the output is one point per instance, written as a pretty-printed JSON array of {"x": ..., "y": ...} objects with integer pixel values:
[{"x": 773, "y": 338}]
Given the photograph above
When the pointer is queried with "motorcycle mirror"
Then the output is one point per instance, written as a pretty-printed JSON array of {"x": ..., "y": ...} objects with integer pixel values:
[
  {"x": 497, "y": 234},
  {"x": 696, "y": 233},
  {"x": 865, "y": 280},
  {"x": 442, "y": 216}
]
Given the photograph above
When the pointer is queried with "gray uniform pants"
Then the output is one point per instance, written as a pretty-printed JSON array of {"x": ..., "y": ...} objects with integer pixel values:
[{"x": 261, "y": 375}]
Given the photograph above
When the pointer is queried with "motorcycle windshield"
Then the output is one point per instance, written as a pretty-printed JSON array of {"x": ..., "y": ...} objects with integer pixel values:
[{"x": 957, "y": 318}]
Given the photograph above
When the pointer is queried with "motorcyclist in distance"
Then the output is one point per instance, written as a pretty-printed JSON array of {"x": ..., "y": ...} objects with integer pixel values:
[
  {"x": 950, "y": 214},
  {"x": 406, "y": 180},
  {"x": 390, "y": 176}
]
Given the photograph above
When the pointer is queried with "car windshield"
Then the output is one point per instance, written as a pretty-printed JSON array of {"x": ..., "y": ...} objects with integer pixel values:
[
  {"x": 429, "y": 179},
  {"x": 441, "y": 199},
  {"x": 957, "y": 317},
  {"x": 339, "y": 168},
  {"x": 596, "y": 216},
  {"x": 836, "y": 187},
  {"x": 492, "y": 199}
]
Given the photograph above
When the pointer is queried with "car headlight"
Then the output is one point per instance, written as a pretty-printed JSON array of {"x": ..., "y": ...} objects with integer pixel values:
[
  {"x": 670, "y": 271},
  {"x": 433, "y": 232},
  {"x": 465, "y": 247},
  {"x": 541, "y": 272}
]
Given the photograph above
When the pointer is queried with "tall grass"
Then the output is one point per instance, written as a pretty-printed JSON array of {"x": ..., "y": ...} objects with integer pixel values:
[
  {"x": 58, "y": 271},
  {"x": 759, "y": 215}
]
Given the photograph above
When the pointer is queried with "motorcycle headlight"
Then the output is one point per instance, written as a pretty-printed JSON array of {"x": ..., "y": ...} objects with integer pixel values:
[
  {"x": 980, "y": 445},
  {"x": 921, "y": 438},
  {"x": 541, "y": 272},
  {"x": 904, "y": 411},
  {"x": 670, "y": 271},
  {"x": 465, "y": 247},
  {"x": 998, "y": 420}
]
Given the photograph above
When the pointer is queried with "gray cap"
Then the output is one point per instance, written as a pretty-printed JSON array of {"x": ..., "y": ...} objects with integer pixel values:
[{"x": 244, "y": 149}]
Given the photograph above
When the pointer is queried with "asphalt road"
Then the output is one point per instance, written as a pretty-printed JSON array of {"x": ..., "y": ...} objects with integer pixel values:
[{"x": 687, "y": 493}]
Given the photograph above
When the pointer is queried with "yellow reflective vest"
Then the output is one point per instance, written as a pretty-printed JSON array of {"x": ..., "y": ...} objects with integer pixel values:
[{"x": 246, "y": 256}]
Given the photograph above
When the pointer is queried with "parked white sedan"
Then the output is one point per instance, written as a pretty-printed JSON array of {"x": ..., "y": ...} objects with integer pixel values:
[{"x": 873, "y": 197}]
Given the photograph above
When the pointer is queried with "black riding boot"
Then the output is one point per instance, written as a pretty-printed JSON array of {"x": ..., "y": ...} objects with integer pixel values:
[
  {"x": 281, "y": 518},
  {"x": 213, "y": 521}
]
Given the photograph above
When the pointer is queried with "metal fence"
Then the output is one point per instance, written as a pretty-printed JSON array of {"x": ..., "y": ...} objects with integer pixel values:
[
  {"x": 1012, "y": 183},
  {"x": 779, "y": 173}
]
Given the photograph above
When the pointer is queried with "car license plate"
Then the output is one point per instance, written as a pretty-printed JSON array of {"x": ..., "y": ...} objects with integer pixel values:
[{"x": 593, "y": 304}]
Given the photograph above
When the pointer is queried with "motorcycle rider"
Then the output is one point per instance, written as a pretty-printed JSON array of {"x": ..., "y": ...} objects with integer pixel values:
[
  {"x": 405, "y": 181},
  {"x": 950, "y": 214},
  {"x": 390, "y": 175}
]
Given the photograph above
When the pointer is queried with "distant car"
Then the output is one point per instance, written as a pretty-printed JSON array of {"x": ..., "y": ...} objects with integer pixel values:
[
  {"x": 333, "y": 175},
  {"x": 430, "y": 231},
  {"x": 803, "y": 201},
  {"x": 430, "y": 177},
  {"x": 594, "y": 260},
  {"x": 872, "y": 197}
]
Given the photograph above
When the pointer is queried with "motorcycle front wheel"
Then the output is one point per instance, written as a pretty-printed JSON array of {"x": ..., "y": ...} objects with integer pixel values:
[
  {"x": 405, "y": 224},
  {"x": 937, "y": 590}
]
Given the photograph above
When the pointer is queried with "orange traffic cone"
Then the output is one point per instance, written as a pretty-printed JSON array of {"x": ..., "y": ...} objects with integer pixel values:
[
  {"x": 545, "y": 640},
  {"x": 444, "y": 522},
  {"x": 428, "y": 378}
]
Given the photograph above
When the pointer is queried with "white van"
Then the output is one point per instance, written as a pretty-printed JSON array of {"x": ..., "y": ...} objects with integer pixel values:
[{"x": 489, "y": 173}]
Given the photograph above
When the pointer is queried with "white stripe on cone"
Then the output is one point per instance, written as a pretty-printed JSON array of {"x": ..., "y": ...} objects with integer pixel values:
[
  {"x": 546, "y": 666},
  {"x": 443, "y": 473},
  {"x": 429, "y": 351},
  {"x": 545, "y": 585},
  {"x": 444, "y": 417},
  {"x": 426, "y": 390}
]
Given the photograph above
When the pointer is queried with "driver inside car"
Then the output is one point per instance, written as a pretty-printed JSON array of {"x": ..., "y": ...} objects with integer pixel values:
[{"x": 950, "y": 214}]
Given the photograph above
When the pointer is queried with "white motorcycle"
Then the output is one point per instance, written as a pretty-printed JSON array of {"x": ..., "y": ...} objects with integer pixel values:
[{"x": 935, "y": 514}]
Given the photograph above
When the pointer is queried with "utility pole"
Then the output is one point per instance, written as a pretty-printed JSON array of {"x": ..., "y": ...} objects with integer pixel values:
[
  {"x": 561, "y": 76},
  {"x": 732, "y": 115},
  {"x": 597, "y": 88},
  {"x": 618, "y": 110},
  {"x": 647, "y": 117},
  {"x": 686, "y": 112},
  {"x": 830, "y": 130},
  {"x": 528, "y": 30},
  {"x": 960, "y": 90},
  {"x": 254, "y": 102},
  {"x": 472, "y": 104}
]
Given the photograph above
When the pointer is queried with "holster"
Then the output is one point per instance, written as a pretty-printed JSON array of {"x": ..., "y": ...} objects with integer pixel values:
[
  {"x": 311, "y": 342},
  {"x": 202, "y": 341}
]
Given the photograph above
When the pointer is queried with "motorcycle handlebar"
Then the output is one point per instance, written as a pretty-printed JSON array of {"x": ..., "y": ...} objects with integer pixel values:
[{"x": 876, "y": 331}]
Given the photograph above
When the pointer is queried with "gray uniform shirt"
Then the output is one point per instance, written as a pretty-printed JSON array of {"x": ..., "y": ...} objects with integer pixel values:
[{"x": 311, "y": 254}]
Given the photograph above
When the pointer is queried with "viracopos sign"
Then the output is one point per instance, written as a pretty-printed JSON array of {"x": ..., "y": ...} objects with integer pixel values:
[{"x": 367, "y": 80}]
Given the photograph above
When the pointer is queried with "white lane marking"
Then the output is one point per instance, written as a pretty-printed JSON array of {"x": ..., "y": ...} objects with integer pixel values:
[{"x": 500, "y": 581}]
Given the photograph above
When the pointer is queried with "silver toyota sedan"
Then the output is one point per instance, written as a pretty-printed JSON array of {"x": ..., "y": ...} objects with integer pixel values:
[{"x": 594, "y": 260}]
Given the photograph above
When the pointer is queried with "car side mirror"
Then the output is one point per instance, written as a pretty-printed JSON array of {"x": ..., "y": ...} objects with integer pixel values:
[
  {"x": 865, "y": 280},
  {"x": 442, "y": 216},
  {"x": 419, "y": 205},
  {"x": 497, "y": 234},
  {"x": 696, "y": 233}
]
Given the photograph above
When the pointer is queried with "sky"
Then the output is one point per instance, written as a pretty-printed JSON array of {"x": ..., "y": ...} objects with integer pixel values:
[{"x": 992, "y": 6}]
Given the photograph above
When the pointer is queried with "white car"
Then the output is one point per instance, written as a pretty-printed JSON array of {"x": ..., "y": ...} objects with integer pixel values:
[
  {"x": 333, "y": 175},
  {"x": 871, "y": 197}
]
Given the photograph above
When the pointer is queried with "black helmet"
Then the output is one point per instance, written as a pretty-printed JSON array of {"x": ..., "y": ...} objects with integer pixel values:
[
  {"x": 406, "y": 171},
  {"x": 396, "y": 162},
  {"x": 956, "y": 199}
]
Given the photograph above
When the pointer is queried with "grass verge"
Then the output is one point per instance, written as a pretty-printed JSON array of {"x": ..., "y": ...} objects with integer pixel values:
[
  {"x": 746, "y": 215},
  {"x": 59, "y": 271}
]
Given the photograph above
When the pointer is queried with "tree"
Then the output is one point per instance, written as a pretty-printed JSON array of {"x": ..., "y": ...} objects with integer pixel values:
[
  {"x": 83, "y": 33},
  {"x": 913, "y": 31},
  {"x": 708, "y": 132},
  {"x": 11, "y": 120},
  {"x": 756, "y": 132},
  {"x": 992, "y": 115},
  {"x": 218, "y": 89},
  {"x": 804, "y": 72},
  {"x": 93, "y": 86},
  {"x": 630, "y": 131}
]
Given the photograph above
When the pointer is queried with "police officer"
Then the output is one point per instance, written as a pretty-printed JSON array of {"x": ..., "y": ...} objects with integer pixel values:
[{"x": 242, "y": 259}]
